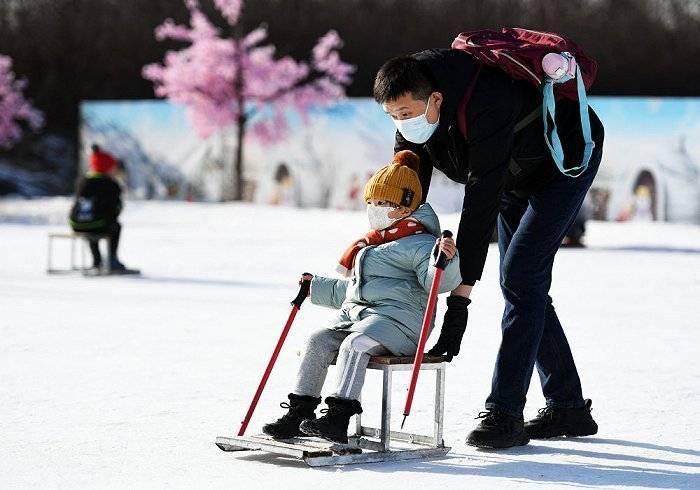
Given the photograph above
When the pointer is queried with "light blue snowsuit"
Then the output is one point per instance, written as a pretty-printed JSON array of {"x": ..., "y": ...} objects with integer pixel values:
[{"x": 386, "y": 296}]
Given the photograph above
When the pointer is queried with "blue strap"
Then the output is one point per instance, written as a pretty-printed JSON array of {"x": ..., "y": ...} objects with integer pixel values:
[{"x": 552, "y": 139}]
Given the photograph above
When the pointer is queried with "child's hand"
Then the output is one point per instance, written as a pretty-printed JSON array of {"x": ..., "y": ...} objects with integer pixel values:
[
  {"x": 447, "y": 246},
  {"x": 306, "y": 277}
]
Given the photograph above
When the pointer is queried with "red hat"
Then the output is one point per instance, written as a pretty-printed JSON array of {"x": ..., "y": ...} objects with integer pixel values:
[{"x": 102, "y": 162}]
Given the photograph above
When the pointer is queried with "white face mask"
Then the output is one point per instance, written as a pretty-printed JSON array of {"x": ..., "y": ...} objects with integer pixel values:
[
  {"x": 417, "y": 129},
  {"x": 378, "y": 216}
]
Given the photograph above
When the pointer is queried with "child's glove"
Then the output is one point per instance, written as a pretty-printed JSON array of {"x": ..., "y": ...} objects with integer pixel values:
[
  {"x": 306, "y": 277},
  {"x": 453, "y": 327}
]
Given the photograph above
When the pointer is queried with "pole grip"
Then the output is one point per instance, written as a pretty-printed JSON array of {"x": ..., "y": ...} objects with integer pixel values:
[
  {"x": 304, "y": 289},
  {"x": 441, "y": 262}
]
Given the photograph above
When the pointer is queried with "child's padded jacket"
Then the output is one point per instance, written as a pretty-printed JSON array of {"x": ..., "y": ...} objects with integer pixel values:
[{"x": 387, "y": 295}]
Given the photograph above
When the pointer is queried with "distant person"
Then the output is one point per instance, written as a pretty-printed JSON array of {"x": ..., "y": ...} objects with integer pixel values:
[
  {"x": 380, "y": 302},
  {"x": 283, "y": 190},
  {"x": 97, "y": 206},
  {"x": 642, "y": 204}
]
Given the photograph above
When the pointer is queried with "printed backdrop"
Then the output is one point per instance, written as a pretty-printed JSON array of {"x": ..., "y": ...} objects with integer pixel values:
[{"x": 650, "y": 171}]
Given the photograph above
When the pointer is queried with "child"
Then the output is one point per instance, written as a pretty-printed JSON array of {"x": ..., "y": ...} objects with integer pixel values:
[
  {"x": 381, "y": 302},
  {"x": 98, "y": 203}
]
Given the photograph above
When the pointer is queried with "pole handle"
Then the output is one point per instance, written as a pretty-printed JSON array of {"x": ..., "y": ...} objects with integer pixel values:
[
  {"x": 304, "y": 289},
  {"x": 441, "y": 262}
]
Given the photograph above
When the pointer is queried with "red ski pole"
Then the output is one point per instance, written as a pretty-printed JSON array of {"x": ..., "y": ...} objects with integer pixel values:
[
  {"x": 440, "y": 265},
  {"x": 296, "y": 305}
]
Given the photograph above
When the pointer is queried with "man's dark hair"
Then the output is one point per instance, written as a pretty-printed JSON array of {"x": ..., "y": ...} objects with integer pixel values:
[
  {"x": 94, "y": 147},
  {"x": 400, "y": 75}
]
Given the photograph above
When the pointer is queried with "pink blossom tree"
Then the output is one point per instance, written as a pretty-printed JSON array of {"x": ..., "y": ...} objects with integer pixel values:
[
  {"x": 15, "y": 111},
  {"x": 237, "y": 82}
]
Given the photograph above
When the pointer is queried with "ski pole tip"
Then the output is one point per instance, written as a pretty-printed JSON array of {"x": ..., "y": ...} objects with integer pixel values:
[{"x": 403, "y": 421}]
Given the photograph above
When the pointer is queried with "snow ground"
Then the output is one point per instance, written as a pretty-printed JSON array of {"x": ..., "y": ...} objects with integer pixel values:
[{"x": 125, "y": 382}]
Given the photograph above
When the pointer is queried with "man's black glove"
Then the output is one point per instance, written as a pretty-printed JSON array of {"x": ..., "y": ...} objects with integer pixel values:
[{"x": 453, "y": 327}]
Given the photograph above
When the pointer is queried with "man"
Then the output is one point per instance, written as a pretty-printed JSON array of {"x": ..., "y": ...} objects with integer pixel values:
[
  {"x": 97, "y": 206},
  {"x": 510, "y": 178}
]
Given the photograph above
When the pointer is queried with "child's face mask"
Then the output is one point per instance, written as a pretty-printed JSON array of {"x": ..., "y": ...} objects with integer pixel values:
[
  {"x": 379, "y": 216},
  {"x": 417, "y": 129}
]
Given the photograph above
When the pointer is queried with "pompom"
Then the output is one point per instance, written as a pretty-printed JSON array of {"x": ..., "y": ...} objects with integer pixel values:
[{"x": 408, "y": 159}]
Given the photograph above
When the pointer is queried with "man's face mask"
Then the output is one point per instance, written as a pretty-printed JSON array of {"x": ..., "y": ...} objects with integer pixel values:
[
  {"x": 378, "y": 216},
  {"x": 417, "y": 129}
]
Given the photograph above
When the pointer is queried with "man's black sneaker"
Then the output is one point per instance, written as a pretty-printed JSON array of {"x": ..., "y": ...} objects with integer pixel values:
[
  {"x": 558, "y": 422},
  {"x": 300, "y": 408},
  {"x": 498, "y": 430},
  {"x": 333, "y": 426}
]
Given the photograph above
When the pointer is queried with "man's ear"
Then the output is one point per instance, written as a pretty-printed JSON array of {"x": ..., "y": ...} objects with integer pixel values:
[{"x": 437, "y": 99}]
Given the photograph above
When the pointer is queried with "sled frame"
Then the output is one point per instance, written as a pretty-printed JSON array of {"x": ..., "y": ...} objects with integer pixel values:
[
  {"x": 367, "y": 444},
  {"x": 83, "y": 237}
]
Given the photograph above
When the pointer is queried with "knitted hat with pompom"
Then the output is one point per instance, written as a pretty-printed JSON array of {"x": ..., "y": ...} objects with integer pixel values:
[{"x": 398, "y": 182}]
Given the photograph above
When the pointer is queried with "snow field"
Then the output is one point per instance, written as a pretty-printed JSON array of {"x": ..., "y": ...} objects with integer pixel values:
[{"x": 125, "y": 382}]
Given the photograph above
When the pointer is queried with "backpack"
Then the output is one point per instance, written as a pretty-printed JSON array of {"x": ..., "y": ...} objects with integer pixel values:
[{"x": 520, "y": 54}]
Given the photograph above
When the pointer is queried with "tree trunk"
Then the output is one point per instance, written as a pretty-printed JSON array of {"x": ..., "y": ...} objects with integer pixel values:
[
  {"x": 242, "y": 120},
  {"x": 238, "y": 157}
]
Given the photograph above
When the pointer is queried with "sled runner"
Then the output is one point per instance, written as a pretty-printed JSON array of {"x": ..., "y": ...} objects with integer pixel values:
[{"x": 368, "y": 444}]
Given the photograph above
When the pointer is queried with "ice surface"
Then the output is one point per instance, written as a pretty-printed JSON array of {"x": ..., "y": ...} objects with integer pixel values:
[{"x": 125, "y": 382}]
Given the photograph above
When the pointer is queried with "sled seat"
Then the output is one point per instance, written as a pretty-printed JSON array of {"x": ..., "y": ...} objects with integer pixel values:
[
  {"x": 73, "y": 236},
  {"x": 393, "y": 360}
]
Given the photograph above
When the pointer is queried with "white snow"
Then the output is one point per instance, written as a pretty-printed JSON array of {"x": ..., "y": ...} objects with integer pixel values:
[{"x": 126, "y": 382}]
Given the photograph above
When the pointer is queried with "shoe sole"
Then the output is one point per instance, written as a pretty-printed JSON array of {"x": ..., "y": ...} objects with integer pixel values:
[
  {"x": 568, "y": 433},
  {"x": 476, "y": 443},
  {"x": 309, "y": 431}
]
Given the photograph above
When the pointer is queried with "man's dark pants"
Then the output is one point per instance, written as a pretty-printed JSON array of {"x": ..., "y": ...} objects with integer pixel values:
[
  {"x": 530, "y": 231},
  {"x": 114, "y": 231}
]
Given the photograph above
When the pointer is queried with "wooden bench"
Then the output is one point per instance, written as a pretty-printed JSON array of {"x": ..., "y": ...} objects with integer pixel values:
[
  {"x": 74, "y": 236},
  {"x": 367, "y": 444}
]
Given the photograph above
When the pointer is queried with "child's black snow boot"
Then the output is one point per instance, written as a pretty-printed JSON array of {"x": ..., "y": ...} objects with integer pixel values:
[
  {"x": 300, "y": 408},
  {"x": 557, "y": 422},
  {"x": 498, "y": 430},
  {"x": 333, "y": 426}
]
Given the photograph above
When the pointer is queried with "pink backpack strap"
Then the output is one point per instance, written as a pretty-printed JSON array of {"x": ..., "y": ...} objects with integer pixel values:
[{"x": 462, "y": 106}]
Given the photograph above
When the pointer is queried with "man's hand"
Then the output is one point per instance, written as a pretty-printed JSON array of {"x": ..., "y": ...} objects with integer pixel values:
[
  {"x": 453, "y": 327},
  {"x": 447, "y": 246}
]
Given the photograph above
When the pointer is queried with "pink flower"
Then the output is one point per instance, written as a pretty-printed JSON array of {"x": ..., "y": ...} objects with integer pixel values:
[
  {"x": 219, "y": 78},
  {"x": 15, "y": 110}
]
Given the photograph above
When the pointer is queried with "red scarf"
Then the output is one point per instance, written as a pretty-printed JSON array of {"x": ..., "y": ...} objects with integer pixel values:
[{"x": 405, "y": 227}]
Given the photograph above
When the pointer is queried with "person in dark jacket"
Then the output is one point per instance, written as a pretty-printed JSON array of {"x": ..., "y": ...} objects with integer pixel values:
[
  {"x": 511, "y": 181},
  {"x": 97, "y": 206}
]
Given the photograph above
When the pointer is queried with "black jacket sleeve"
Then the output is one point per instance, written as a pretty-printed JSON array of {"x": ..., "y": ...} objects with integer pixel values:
[
  {"x": 425, "y": 171},
  {"x": 488, "y": 152}
]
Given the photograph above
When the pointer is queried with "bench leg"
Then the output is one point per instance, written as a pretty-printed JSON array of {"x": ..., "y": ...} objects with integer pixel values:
[
  {"x": 48, "y": 255},
  {"x": 72, "y": 254},
  {"x": 386, "y": 408},
  {"x": 439, "y": 404},
  {"x": 358, "y": 422}
]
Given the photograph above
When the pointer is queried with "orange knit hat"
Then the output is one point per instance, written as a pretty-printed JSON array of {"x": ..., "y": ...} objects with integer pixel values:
[{"x": 397, "y": 182}]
